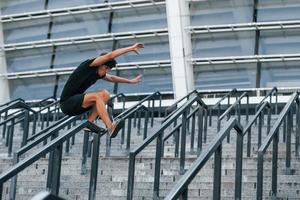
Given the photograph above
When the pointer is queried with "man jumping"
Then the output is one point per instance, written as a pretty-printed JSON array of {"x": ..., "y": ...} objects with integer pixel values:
[{"x": 74, "y": 101}]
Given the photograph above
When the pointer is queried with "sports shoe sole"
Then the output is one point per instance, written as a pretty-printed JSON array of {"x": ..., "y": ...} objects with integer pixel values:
[{"x": 120, "y": 125}]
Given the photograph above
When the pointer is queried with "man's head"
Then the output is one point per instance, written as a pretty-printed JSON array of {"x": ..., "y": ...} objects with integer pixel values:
[{"x": 107, "y": 66}]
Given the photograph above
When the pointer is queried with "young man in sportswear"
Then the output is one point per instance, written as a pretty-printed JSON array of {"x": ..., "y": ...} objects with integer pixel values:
[{"x": 74, "y": 101}]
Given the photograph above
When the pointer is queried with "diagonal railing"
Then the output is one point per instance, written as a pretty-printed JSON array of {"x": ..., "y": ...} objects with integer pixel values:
[
  {"x": 258, "y": 115},
  {"x": 151, "y": 105},
  {"x": 236, "y": 106},
  {"x": 180, "y": 190},
  {"x": 23, "y": 116},
  {"x": 219, "y": 104},
  {"x": 274, "y": 91},
  {"x": 55, "y": 158},
  {"x": 159, "y": 135},
  {"x": 273, "y": 137},
  {"x": 41, "y": 137},
  {"x": 12, "y": 101},
  {"x": 172, "y": 108}
]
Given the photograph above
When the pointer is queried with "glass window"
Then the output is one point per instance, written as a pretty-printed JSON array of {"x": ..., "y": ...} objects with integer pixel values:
[
  {"x": 220, "y": 12},
  {"x": 139, "y": 19},
  {"x": 224, "y": 76},
  {"x": 27, "y": 60},
  {"x": 280, "y": 74},
  {"x": 80, "y": 25},
  {"x": 71, "y": 3},
  {"x": 156, "y": 79},
  {"x": 25, "y": 31},
  {"x": 32, "y": 88},
  {"x": 280, "y": 42},
  {"x": 20, "y": 6},
  {"x": 270, "y": 10},
  {"x": 223, "y": 44}
]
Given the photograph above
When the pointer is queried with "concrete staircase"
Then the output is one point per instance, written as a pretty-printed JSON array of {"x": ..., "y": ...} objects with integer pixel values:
[{"x": 113, "y": 170}]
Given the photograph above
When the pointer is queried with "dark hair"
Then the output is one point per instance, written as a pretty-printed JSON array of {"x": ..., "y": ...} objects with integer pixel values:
[{"x": 110, "y": 63}]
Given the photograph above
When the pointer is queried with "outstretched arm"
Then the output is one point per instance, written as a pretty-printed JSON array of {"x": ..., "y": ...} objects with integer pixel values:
[
  {"x": 118, "y": 79},
  {"x": 102, "y": 59}
]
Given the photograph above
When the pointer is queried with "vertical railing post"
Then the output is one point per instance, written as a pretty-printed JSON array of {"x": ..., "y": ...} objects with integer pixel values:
[
  {"x": 10, "y": 136},
  {"x": 217, "y": 173},
  {"x": 239, "y": 166},
  {"x": 84, "y": 152},
  {"x": 288, "y": 142},
  {"x": 284, "y": 129},
  {"x": 205, "y": 124},
  {"x": 94, "y": 167},
  {"x": 249, "y": 142},
  {"x": 128, "y": 134},
  {"x": 297, "y": 134},
  {"x": 260, "y": 168},
  {"x": 183, "y": 142},
  {"x": 1, "y": 189},
  {"x": 158, "y": 154},
  {"x": 200, "y": 130},
  {"x": 26, "y": 128},
  {"x": 276, "y": 106},
  {"x": 13, "y": 183},
  {"x": 53, "y": 178},
  {"x": 146, "y": 124},
  {"x": 274, "y": 165},
  {"x": 177, "y": 135},
  {"x": 260, "y": 121},
  {"x": 131, "y": 169},
  {"x": 269, "y": 119},
  {"x": 4, "y": 125},
  {"x": 193, "y": 132}
]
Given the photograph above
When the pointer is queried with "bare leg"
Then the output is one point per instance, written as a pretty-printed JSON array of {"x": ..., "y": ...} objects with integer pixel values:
[
  {"x": 98, "y": 100},
  {"x": 93, "y": 115}
]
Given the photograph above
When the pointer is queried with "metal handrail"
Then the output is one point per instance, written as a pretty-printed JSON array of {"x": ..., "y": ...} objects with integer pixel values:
[
  {"x": 17, "y": 104},
  {"x": 38, "y": 138},
  {"x": 39, "y": 103},
  {"x": 158, "y": 134},
  {"x": 218, "y": 104},
  {"x": 128, "y": 116},
  {"x": 55, "y": 150},
  {"x": 116, "y": 96},
  {"x": 178, "y": 126},
  {"x": 12, "y": 101},
  {"x": 48, "y": 128},
  {"x": 269, "y": 94},
  {"x": 149, "y": 98},
  {"x": 174, "y": 106},
  {"x": 258, "y": 114},
  {"x": 237, "y": 104},
  {"x": 273, "y": 137},
  {"x": 180, "y": 190}
]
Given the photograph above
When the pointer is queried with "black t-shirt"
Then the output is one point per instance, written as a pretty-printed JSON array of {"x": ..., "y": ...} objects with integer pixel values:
[{"x": 80, "y": 80}]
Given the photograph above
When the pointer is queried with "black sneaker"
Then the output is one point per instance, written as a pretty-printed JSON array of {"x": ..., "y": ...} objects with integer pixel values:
[{"x": 116, "y": 127}]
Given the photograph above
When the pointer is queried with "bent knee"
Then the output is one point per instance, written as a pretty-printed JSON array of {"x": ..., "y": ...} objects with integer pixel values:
[{"x": 104, "y": 95}]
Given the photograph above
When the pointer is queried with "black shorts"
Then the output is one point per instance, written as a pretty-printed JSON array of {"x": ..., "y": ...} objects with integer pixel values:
[{"x": 72, "y": 105}]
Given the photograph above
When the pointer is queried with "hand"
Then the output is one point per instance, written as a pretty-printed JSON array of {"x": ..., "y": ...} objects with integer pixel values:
[
  {"x": 136, "y": 47},
  {"x": 137, "y": 79}
]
